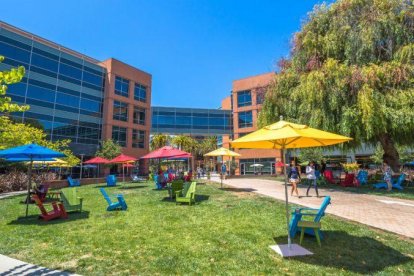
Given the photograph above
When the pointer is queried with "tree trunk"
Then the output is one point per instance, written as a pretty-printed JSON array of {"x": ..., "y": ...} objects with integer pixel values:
[{"x": 390, "y": 152}]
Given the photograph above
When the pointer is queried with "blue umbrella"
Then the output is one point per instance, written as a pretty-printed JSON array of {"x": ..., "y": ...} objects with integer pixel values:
[{"x": 29, "y": 152}]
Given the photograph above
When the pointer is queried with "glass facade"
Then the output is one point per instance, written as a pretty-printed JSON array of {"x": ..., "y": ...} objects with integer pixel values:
[
  {"x": 244, "y": 98},
  {"x": 119, "y": 134},
  {"x": 140, "y": 93},
  {"x": 247, "y": 166},
  {"x": 191, "y": 121},
  {"x": 120, "y": 111},
  {"x": 245, "y": 119},
  {"x": 122, "y": 87},
  {"x": 64, "y": 91},
  {"x": 139, "y": 115},
  {"x": 138, "y": 138}
]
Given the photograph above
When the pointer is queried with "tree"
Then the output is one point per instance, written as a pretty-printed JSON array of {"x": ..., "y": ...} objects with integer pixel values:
[
  {"x": 28, "y": 134},
  {"x": 311, "y": 154},
  {"x": 208, "y": 144},
  {"x": 180, "y": 141},
  {"x": 351, "y": 72},
  {"x": 159, "y": 141},
  {"x": 109, "y": 149},
  {"x": 406, "y": 154},
  {"x": 15, "y": 75}
]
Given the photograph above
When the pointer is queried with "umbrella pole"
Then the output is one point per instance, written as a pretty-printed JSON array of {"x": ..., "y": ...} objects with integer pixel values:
[
  {"x": 29, "y": 173},
  {"x": 286, "y": 198}
]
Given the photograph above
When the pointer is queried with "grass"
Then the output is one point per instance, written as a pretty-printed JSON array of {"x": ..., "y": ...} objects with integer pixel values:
[
  {"x": 227, "y": 232},
  {"x": 407, "y": 193}
]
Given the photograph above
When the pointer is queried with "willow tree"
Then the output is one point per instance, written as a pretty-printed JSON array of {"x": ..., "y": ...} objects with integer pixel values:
[{"x": 351, "y": 71}]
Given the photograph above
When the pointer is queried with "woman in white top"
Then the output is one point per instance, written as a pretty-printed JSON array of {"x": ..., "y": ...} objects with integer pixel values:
[{"x": 310, "y": 175}]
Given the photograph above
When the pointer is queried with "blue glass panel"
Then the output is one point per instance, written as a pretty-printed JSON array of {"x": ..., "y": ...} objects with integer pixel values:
[
  {"x": 200, "y": 121},
  {"x": 90, "y": 105},
  {"x": 166, "y": 120},
  {"x": 69, "y": 100},
  {"x": 180, "y": 120},
  {"x": 17, "y": 89},
  {"x": 245, "y": 119},
  {"x": 43, "y": 71},
  {"x": 70, "y": 71},
  {"x": 92, "y": 78},
  {"x": 15, "y": 43},
  {"x": 40, "y": 93},
  {"x": 140, "y": 93},
  {"x": 244, "y": 98},
  {"x": 15, "y": 53},
  {"x": 44, "y": 63},
  {"x": 46, "y": 54}
]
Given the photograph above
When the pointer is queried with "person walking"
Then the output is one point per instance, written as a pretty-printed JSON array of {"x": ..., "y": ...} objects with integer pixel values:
[
  {"x": 294, "y": 177},
  {"x": 223, "y": 170},
  {"x": 310, "y": 175},
  {"x": 387, "y": 175}
]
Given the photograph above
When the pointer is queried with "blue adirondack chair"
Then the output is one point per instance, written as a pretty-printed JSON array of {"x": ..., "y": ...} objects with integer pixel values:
[
  {"x": 111, "y": 180},
  {"x": 73, "y": 182},
  {"x": 121, "y": 204},
  {"x": 157, "y": 184},
  {"x": 300, "y": 213},
  {"x": 395, "y": 185},
  {"x": 362, "y": 177}
]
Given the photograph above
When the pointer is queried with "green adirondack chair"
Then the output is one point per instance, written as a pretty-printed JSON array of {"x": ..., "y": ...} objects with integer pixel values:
[
  {"x": 186, "y": 195},
  {"x": 176, "y": 185},
  {"x": 70, "y": 200}
]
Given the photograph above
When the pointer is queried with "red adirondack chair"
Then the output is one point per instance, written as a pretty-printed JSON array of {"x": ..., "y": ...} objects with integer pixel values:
[
  {"x": 349, "y": 180},
  {"x": 57, "y": 212},
  {"x": 329, "y": 177}
]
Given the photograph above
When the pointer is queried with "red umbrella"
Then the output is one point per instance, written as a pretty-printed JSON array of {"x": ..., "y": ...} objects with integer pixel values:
[
  {"x": 166, "y": 152},
  {"x": 127, "y": 165},
  {"x": 122, "y": 158},
  {"x": 279, "y": 164},
  {"x": 97, "y": 160}
]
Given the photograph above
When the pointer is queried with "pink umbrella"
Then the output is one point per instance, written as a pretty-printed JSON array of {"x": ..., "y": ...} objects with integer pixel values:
[
  {"x": 166, "y": 152},
  {"x": 122, "y": 158},
  {"x": 97, "y": 160}
]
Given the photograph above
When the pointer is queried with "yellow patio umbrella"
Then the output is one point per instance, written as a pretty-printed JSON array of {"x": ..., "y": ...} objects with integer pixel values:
[
  {"x": 222, "y": 152},
  {"x": 56, "y": 162},
  {"x": 285, "y": 135}
]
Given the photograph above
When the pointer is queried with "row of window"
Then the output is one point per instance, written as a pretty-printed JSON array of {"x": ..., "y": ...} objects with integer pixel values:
[
  {"x": 65, "y": 67},
  {"x": 122, "y": 89},
  {"x": 191, "y": 121},
  {"x": 120, "y": 135},
  {"x": 120, "y": 110},
  {"x": 244, "y": 98}
]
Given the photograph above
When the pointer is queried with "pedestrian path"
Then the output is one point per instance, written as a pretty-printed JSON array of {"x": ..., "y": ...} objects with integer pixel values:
[
  {"x": 5, "y": 195},
  {"x": 10, "y": 266},
  {"x": 390, "y": 214}
]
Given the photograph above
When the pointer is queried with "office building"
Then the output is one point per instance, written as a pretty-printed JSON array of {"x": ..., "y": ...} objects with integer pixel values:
[{"x": 76, "y": 97}]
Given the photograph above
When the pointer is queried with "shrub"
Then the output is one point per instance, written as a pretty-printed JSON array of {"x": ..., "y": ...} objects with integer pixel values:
[{"x": 17, "y": 180}]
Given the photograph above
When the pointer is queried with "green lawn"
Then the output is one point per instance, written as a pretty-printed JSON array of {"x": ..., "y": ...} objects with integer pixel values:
[
  {"x": 407, "y": 193},
  {"x": 227, "y": 232}
]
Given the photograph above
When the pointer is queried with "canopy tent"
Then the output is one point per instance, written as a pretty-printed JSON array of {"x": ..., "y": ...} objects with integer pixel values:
[
  {"x": 222, "y": 152},
  {"x": 31, "y": 152},
  {"x": 97, "y": 161},
  {"x": 122, "y": 159},
  {"x": 166, "y": 152},
  {"x": 285, "y": 135}
]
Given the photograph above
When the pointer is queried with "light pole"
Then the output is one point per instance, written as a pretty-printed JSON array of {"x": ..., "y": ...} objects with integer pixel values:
[{"x": 81, "y": 166}]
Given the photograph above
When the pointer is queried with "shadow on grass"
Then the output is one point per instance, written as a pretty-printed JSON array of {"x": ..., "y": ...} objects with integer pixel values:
[
  {"x": 239, "y": 190},
  {"x": 34, "y": 219},
  {"x": 132, "y": 187},
  {"x": 351, "y": 253},
  {"x": 198, "y": 198},
  {"x": 106, "y": 186},
  {"x": 29, "y": 269}
]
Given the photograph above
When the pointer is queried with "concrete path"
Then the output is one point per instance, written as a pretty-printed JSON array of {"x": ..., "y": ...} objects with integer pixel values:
[
  {"x": 9, "y": 266},
  {"x": 390, "y": 214},
  {"x": 5, "y": 195}
]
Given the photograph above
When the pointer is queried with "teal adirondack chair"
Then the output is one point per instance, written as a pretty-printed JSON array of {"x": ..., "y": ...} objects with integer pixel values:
[
  {"x": 315, "y": 214},
  {"x": 73, "y": 182},
  {"x": 187, "y": 194},
  {"x": 70, "y": 200},
  {"x": 113, "y": 205}
]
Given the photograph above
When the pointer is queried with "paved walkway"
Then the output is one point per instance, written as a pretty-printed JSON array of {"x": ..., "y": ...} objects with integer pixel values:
[
  {"x": 390, "y": 214},
  {"x": 5, "y": 195},
  {"x": 9, "y": 266}
]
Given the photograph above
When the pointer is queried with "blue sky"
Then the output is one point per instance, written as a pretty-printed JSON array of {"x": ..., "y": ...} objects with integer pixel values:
[{"x": 194, "y": 49}]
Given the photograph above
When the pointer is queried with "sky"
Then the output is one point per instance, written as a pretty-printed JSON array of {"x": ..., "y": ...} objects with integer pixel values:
[{"x": 193, "y": 49}]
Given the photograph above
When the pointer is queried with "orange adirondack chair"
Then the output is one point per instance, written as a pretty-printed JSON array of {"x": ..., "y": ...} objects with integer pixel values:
[{"x": 57, "y": 212}]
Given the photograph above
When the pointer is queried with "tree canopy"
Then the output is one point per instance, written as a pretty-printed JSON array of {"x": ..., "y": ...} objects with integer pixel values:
[
  {"x": 109, "y": 149},
  {"x": 351, "y": 71}
]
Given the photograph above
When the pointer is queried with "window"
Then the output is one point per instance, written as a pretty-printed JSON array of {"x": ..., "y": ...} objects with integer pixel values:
[
  {"x": 119, "y": 135},
  {"x": 245, "y": 119},
  {"x": 244, "y": 98},
  {"x": 121, "y": 87},
  {"x": 260, "y": 97},
  {"x": 120, "y": 111},
  {"x": 139, "y": 115},
  {"x": 140, "y": 93},
  {"x": 138, "y": 138}
]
